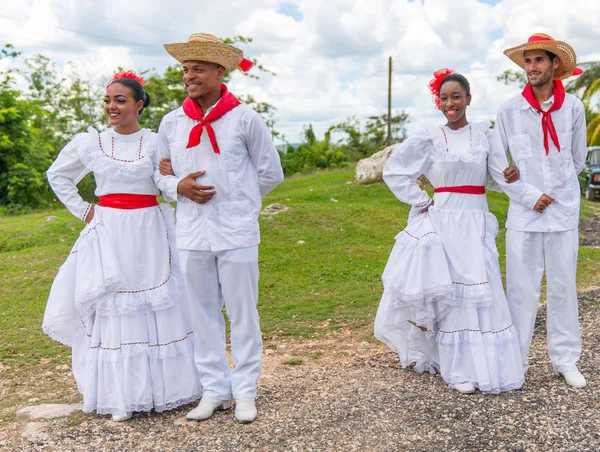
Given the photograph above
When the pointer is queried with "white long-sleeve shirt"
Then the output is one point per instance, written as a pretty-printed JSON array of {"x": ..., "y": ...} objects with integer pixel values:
[
  {"x": 519, "y": 128},
  {"x": 246, "y": 170},
  {"x": 121, "y": 164}
]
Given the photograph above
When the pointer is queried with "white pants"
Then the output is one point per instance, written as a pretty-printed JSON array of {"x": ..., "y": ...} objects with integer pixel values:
[
  {"x": 212, "y": 279},
  {"x": 528, "y": 254}
]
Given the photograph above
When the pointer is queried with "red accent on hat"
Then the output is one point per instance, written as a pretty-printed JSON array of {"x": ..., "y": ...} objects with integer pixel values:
[{"x": 246, "y": 65}]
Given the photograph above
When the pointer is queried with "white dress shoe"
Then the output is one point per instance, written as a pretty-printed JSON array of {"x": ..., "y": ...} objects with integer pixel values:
[
  {"x": 465, "y": 388},
  {"x": 207, "y": 407},
  {"x": 245, "y": 410},
  {"x": 122, "y": 417},
  {"x": 574, "y": 378}
]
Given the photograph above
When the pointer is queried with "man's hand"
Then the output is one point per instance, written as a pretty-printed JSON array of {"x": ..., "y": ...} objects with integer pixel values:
[
  {"x": 165, "y": 167},
  {"x": 543, "y": 202},
  {"x": 90, "y": 215},
  {"x": 194, "y": 191},
  {"x": 511, "y": 174}
]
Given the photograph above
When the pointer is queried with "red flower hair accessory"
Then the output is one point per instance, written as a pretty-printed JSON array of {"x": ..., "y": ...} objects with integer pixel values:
[
  {"x": 436, "y": 82},
  {"x": 127, "y": 74}
]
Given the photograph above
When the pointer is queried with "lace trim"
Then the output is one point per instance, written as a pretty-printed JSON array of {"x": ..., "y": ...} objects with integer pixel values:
[
  {"x": 139, "y": 408},
  {"x": 94, "y": 158},
  {"x": 107, "y": 300},
  {"x": 87, "y": 210},
  {"x": 439, "y": 151},
  {"x": 476, "y": 331},
  {"x": 420, "y": 361},
  {"x": 99, "y": 346},
  {"x": 419, "y": 238}
]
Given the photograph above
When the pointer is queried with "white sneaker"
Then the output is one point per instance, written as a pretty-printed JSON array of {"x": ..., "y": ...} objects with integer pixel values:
[
  {"x": 245, "y": 410},
  {"x": 207, "y": 407},
  {"x": 574, "y": 378},
  {"x": 122, "y": 417},
  {"x": 465, "y": 388}
]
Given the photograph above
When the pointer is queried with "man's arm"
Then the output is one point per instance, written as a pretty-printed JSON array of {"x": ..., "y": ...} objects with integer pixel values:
[
  {"x": 264, "y": 155},
  {"x": 578, "y": 146},
  {"x": 517, "y": 191}
]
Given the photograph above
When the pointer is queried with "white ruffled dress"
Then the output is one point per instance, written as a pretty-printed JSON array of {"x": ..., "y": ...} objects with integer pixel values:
[
  {"x": 119, "y": 299},
  {"x": 443, "y": 273}
]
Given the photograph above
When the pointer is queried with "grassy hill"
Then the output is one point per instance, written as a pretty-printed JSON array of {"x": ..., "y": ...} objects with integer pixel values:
[{"x": 330, "y": 281}]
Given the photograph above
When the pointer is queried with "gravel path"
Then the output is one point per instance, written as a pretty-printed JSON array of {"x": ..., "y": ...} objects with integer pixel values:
[{"x": 352, "y": 395}]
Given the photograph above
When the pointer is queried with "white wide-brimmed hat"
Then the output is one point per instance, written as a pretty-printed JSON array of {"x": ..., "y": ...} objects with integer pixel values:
[
  {"x": 541, "y": 41},
  {"x": 207, "y": 47}
]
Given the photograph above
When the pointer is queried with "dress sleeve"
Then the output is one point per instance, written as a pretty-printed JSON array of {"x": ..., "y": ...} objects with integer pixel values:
[
  {"x": 64, "y": 175},
  {"x": 409, "y": 161},
  {"x": 517, "y": 191}
]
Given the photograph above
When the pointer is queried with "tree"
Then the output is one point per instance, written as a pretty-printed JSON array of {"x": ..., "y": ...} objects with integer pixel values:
[
  {"x": 24, "y": 157},
  {"x": 376, "y": 129},
  {"x": 363, "y": 141},
  {"x": 512, "y": 76},
  {"x": 312, "y": 154},
  {"x": 588, "y": 84},
  {"x": 167, "y": 91}
]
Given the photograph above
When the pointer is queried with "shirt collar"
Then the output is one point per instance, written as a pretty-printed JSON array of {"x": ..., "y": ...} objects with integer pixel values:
[
  {"x": 180, "y": 111},
  {"x": 545, "y": 105}
]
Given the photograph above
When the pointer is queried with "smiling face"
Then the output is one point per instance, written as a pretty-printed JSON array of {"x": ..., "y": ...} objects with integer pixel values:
[
  {"x": 453, "y": 104},
  {"x": 202, "y": 79},
  {"x": 539, "y": 68},
  {"x": 121, "y": 108}
]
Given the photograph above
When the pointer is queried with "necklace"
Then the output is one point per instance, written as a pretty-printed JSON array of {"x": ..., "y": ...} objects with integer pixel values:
[
  {"x": 112, "y": 153},
  {"x": 470, "y": 137}
]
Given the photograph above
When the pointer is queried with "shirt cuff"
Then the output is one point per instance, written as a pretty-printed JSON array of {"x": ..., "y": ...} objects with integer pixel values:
[
  {"x": 171, "y": 189},
  {"x": 86, "y": 211},
  {"x": 531, "y": 196},
  {"x": 424, "y": 204}
]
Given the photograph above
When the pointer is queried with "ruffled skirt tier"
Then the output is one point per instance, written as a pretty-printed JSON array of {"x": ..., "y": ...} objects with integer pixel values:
[
  {"x": 120, "y": 303},
  {"x": 443, "y": 308}
]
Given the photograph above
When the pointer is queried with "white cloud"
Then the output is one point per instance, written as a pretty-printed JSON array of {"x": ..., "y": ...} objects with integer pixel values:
[{"x": 330, "y": 59}]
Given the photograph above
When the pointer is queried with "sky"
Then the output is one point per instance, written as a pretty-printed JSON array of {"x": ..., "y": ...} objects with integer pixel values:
[{"x": 330, "y": 57}]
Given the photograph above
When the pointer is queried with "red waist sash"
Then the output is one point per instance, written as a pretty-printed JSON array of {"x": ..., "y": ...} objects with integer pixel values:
[
  {"x": 127, "y": 201},
  {"x": 466, "y": 189}
]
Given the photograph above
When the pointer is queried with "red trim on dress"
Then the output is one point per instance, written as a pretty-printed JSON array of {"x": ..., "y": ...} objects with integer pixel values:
[
  {"x": 127, "y": 201},
  {"x": 466, "y": 189}
]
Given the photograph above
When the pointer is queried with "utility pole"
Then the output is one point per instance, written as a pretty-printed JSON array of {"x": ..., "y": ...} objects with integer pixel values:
[{"x": 389, "y": 119}]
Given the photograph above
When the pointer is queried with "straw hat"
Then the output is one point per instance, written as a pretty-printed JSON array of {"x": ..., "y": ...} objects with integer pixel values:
[
  {"x": 206, "y": 47},
  {"x": 542, "y": 41}
]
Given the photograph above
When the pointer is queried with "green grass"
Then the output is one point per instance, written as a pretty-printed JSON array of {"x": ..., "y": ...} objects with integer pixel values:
[{"x": 331, "y": 281}]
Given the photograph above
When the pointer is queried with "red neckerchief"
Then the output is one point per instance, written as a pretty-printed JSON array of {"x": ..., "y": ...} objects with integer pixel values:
[
  {"x": 547, "y": 124},
  {"x": 191, "y": 108}
]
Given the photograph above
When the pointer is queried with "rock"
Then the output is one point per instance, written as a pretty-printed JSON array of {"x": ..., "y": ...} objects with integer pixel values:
[
  {"x": 48, "y": 411},
  {"x": 34, "y": 400},
  {"x": 370, "y": 170},
  {"x": 34, "y": 432},
  {"x": 269, "y": 352},
  {"x": 273, "y": 209},
  {"x": 182, "y": 421},
  {"x": 51, "y": 218}
]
